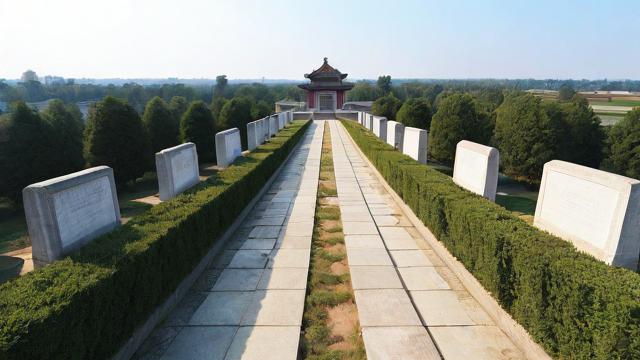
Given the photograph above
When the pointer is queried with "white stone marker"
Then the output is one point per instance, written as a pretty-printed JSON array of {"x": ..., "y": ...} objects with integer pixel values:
[
  {"x": 228, "y": 146},
  {"x": 281, "y": 121},
  {"x": 360, "y": 117},
  {"x": 255, "y": 134},
  {"x": 597, "y": 211},
  {"x": 177, "y": 170},
  {"x": 414, "y": 144},
  {"x": 476, "y": 168},
  {"x": 265, "y": 129},
  {"x": 273, "y": 125},
  {"x": 65, "y": 213},
  {"x": 395, "y": 134},
  {"x": 380, "y": 127}
]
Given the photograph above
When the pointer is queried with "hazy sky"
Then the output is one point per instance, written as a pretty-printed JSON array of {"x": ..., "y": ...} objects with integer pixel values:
[{"x": 285, "y": 39}]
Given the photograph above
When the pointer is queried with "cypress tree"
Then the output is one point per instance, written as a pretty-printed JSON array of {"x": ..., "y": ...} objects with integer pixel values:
[
  {"x": 197, "y": 127},
  {"x": 160, "y": 124}
]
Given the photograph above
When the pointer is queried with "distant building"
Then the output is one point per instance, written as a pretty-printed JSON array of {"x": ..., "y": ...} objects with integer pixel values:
[
  {"x": 358, "y": 105},
  {"x": 326, "y": 91},
  {"x": 54, "y": 80},
  {"x": 286, "y": 105}
]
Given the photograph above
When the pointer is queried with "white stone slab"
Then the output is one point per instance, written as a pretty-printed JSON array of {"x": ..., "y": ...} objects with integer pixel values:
[
  {"x": 399, "y": 342},
  {"x": 228, "y": 146},
  {"x": 210, "y": 342},
  {"x": 177, "y": 170},
  {"x": 449, "y": 308},
  {"x": 255, "y": 134},
  {"x": 275, "y": 308},
  {"x": 423, "y": 278},
  {"x": 370, "y": 257},
  {"x": 410, "y": 258},
  {"x": 379, "y": 127},
  {"x": 597, "y": 211},
  {"x": 65, "y": 213},
  {"x": 282, "y": 120},
  {"x": 476, "y": 168},
  {"x": 374, "y": 277},
  {"x": 273, "y": 125},
  {"x": 238, "y": 280},
  {"x": 414, "y": 144},
  {"x": 385, "y": 307},
  {"x": 395, "y": 134},
  {"x": 222, "y": 308},
  {"x": 474, "y": 342},
  {"x": 265, "y": 343},
  {"x": 265, "y": 128},
  {"x": 284, "y": 279}
]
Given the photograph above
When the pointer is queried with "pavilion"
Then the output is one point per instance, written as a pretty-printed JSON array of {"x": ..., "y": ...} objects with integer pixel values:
[{"x": 326, "y": 90}]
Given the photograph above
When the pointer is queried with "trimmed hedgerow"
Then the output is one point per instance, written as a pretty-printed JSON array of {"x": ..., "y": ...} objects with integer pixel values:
[
  {"x": 87, "y": 305},
  {"x": 575, "y": 306}
]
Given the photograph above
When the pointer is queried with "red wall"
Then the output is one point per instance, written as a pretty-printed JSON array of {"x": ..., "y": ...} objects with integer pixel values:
[{"x": 311, "y": 99}]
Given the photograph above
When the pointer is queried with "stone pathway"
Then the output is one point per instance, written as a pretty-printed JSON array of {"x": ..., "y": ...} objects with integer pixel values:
[
  {"x": 248, "y": 304},
  {"x": 411, "y": 305}
]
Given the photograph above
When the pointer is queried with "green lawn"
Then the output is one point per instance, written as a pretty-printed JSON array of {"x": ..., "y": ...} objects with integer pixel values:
[{"x": 615, "y": 102}]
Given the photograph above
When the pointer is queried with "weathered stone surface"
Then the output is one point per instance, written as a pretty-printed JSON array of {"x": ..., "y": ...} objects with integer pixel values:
[
  {"x": 414, "y": 144},
  {"x": 364, "y": 241},
  {"x": 177, "y": 170},
  {"x": 265, "y": 128},
  {"x": 222, "y": 308},
  {"x": 228, "y": 146},
  {"x": 265, "y": 343},
  {"x": 249, "y": 259},
  {"x": 275, "y": 308},
  {"x": 362, "y": 257},
  {"x": 474, "y": 342},
  {"x": 290, "y": 258},
  {"x": 65, "y": 213},
  {"x": 359, "y": 228},
  {"x": 449, "y": 308},
  {"x": 395, "y": 134},
  {"x": 385, "y": 307},
  {"x": 410, "y": 258},
  {"x": 255, "y": 134},
  {"x": 423, "y": 278},
  {"x": 597, "y": 211},
  {"x": 380, "y": 127},
  {"x": 284, "y": 279},
  {"x": 397, "y": 238},
  {"x": 282, "y": 120},
  {"x": 476, "y": 168},
  {"x": 201, "y": 343},
  {"x": 238, "y": 280},
  {"x": 374, "y": 277},
  {"x": 399, "y": 342}
]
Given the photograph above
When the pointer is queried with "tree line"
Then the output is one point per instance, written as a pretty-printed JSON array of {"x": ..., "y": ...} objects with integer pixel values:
[
  {"x": 527, "y": 130},
  {"x": 35, "y": 146}
]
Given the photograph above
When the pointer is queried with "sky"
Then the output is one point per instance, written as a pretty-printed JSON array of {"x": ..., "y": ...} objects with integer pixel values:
[{"x": 278, "y": 39}]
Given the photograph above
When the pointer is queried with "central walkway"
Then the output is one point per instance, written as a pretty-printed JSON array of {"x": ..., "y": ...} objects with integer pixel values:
[
  {"x": 249, "y": 302},
  {"x": 410, "y": 305}
]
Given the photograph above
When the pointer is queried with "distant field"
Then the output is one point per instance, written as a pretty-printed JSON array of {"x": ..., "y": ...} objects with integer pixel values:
[
  {"x": 615, "y": 102},
  {"x": 609, "y": 119}
]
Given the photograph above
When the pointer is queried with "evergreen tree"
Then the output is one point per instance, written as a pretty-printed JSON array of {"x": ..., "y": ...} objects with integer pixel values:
[
  {"x": 624, "y": 157},
  {"x": 116, "y": 137},
  {"x": 197, "y": 127},
  {"x": 178, "y": 106},
  {"x": 66, "y": 136},
  {"x": 260, "y": 109},
  {"x": 526, "y": 136},
  {"x": 386, "y": 106},
  {"x": 216, "y": 107},
  {"x": 160, "y": 124},
  {"x": 459, "y": 117},
  {"x": 415, "y": 112},
  {"x": 584, "y": 136},
  {"x": 25, "y": 151},
  {"x": 237, "y": 113}
]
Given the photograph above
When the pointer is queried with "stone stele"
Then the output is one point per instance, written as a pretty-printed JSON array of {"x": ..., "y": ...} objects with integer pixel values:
[
  {"x": 380, "y": 127},
  {"x": 177, "y": 170},
  {"x": 255, "y": 134},
  {"x": 597, "y": 211},
  {"x": 273, "y": 125},
  {"x": 414, "y": 144},
  {"x": 395, "y": 134},
  {"x": 228, "y": 146},
  {"x": 65, "y": 213},
  {"x": 476, "y": 168}
]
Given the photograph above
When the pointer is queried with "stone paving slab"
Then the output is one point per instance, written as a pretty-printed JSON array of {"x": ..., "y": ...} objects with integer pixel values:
[
  {"x": 474, "y": 342},
  {"x": 238, "y": 280},
  {"x": 275, "y": 307},
  {"x": 265, "y": 232},
  {"x": 385, "y": 307},
  {"x": 265, "y": 343},
  {"x": 284, "y": 279},
  {"x": 222, "y": 308},
  {"x": 250, "y": 259},
  {"x": 397, "y": 238},
  {"x": 449, "y": 308},
  {"x": 371, "y": 257},
  {"x": 359, "y": 228},
  {"x": 374, "y": 277},
  {"x": 206, "y": 342},
  {"x": 408, "y": 258},
  {"x": 423, "y": 278},
  {"x": 258, "y": 244},
  {"x": 364, "y": 242},
  {"x": 402, "y": 342},
  {"x": 290, "y": 258}
]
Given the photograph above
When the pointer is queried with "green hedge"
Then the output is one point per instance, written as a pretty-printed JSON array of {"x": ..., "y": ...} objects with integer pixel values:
[
  {"x": 575, "y": 306},
  {"x": 89, "y": 304}
]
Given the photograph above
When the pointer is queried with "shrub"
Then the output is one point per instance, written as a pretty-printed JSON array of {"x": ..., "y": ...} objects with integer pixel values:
[
  {"x": 260, "y": 109},
  {"x": 415, "y": 112},
  {"x": 178, "y": 106},
  {"x": 459, "y": 117},
  {"x": 116, "y": 137},
  {"x": 624, "y": 138},
  {"x": 575, "y": 306},
  {"x": 197, "y": 127},
  {"x": 386, "y": 106},
  {"x": 87, "y": 305},
  {"x": 161, "y": 124},
  {"x": 66, "y": 133}
]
